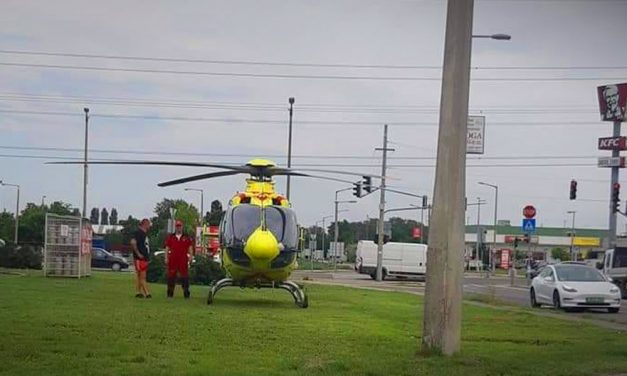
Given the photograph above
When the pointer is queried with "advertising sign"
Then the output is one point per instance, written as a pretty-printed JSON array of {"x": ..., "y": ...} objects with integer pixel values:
[
  {"x": 613, "y": 143},
  {"x": 505, "y": 258},
  {"x": 611, "y": 162},
  {"x": 586, "y": 241},
  {"x": 475, "y": 135},
  {"x": 612, "y": 102}
]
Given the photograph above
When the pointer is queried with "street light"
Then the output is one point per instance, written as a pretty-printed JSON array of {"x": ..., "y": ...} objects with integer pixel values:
[
  {"x": 496, "y": 205},
  {"x": 202, "y": 201},
  {"x": 17, "y": 208},
  {"x": 336, "y": 229},
  {"x": 289, "y": 147},
  {"x": 572, "y": 234},
  {"x": 494, "y": 36}
]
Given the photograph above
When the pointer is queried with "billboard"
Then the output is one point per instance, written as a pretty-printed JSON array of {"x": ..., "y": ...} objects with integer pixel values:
[
  {"x": 612, "y": 102},
  {"x": 475, "y": 135}
]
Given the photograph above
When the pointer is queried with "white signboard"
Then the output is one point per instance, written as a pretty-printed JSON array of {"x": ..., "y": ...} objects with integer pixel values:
[
  {"x": 611, "y": 162},
  {"x": 65, "y": 230},
  {"x": 475, "y": 136}
]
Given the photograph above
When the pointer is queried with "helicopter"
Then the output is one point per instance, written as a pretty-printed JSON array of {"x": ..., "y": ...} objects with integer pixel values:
[{"x": 259, "y": 231}]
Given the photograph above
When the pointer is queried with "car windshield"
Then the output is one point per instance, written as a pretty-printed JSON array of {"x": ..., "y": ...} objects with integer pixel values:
[
  {"x": 620, "y": 257},
  {"x": 578, "y": 273}
]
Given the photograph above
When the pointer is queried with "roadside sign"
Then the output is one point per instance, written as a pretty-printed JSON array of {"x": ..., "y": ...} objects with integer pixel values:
[
  {"x": 612, "y": 101},
  {"x": 505, "y": 258},
  {"x": 613, "y": 143},
  {"x": 475, "y": 135},
  {"x": 416, "y": 233},
  {"x": 528, "y": 225},
  {"x": 611, "y": 162},
  {"x": 529, "y": 211}
]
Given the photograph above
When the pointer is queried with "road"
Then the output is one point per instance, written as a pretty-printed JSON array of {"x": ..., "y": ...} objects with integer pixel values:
[{"x": 497, "y": 288}]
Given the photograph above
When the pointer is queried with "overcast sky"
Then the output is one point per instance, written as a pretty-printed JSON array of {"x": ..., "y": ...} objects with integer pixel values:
[{"x": 337, "y": 121}]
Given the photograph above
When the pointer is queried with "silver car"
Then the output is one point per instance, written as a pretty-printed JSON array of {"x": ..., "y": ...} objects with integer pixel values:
[{"x": 574, "y": 286}]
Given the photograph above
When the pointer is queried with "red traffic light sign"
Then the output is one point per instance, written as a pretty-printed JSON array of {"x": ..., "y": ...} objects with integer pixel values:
[{"x": 529, "y": 211}]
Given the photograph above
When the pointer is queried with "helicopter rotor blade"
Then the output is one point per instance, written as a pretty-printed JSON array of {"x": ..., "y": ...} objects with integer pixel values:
[
  {"x": 296, "y": 173},
  {"x": 199, "y": 177},
  {"x": 246, "y": 169},
  {"x": 281, "y": 170}
]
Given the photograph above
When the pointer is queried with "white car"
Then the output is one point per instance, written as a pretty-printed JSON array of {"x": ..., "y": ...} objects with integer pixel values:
[{"x": 574, "y": 286}]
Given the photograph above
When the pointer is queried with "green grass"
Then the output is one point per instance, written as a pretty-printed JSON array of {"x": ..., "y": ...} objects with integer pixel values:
[{"x": 95, "y": 326}]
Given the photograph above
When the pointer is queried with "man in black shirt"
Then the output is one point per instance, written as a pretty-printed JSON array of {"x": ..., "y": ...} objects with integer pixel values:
[{"x": 141, "y": 256}]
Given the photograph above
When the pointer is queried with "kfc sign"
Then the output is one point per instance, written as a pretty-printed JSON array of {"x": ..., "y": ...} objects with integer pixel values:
[
  {"x": 613, "y": 143},
  {"x": 612, "y": 102}
]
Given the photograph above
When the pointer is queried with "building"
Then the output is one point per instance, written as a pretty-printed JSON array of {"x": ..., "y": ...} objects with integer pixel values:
[{"x": 587, "y": 243}]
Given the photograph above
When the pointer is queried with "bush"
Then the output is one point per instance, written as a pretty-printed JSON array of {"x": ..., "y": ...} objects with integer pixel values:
[
  {"x": 21, "y": 257},
  {"x": 203, "y": 270}
]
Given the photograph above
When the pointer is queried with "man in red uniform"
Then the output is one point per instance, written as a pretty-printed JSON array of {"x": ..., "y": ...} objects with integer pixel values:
[{"x": 178, "y": 248}]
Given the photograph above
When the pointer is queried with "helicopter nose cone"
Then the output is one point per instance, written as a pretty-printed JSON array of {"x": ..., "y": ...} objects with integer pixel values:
[{"x": 262, "y": 245}]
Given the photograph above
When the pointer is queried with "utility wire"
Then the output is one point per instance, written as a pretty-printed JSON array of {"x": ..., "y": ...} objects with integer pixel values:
[
  {"x": 298, "y": 76},
  {"x": 290, "y": 64}
]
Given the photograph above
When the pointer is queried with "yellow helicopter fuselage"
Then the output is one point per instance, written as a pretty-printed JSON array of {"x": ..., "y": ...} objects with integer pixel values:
[{"x": 257, "y": 243}]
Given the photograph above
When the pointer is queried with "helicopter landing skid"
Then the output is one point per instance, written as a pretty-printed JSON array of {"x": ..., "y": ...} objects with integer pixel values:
[{"x": 299, "y": 295}]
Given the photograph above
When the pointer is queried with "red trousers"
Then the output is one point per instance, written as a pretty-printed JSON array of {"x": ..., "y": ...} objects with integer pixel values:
[{"x": 178, "y": 264}]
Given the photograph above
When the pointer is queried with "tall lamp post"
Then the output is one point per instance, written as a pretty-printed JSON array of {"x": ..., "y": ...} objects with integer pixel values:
[
  {"x": 202, "y": 202},
  {"x": 289, "y": 147},
  {"x": 572, "y": 236},
  {"x": 496, "y": 206},
  {"x": 17, "y": 208},
  {"x": 336, "y": 229},
  {"x": 85, "y": 162}
]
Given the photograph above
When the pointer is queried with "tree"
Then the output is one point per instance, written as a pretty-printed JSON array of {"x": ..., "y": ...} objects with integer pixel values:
[
  {"x": 7, "y": 226},
  {"x": 113, "y": 218},
  {"x": 184, "y": 212},
  {"x": 561, "y": 254},
  {"x": 104, "y": 216},
  {"x": 129, "y": 226},
  {"x": 33, "y": 219},
  {"x": 214, "y": 217},
  {"x": 93, "y": 218}
]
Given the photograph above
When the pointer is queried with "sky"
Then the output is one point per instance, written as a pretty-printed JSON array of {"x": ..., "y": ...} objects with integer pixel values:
[{"x": 210, "y": 96}]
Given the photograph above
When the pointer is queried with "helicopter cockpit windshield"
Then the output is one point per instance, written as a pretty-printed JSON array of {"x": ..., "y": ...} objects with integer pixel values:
[{"x": 242, "y": 220}]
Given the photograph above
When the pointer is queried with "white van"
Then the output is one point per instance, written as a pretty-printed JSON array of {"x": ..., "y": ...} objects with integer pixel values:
[{"x": 401, "y": 260}]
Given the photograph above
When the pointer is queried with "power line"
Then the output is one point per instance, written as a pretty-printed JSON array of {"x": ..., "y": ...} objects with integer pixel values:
[
  {"x": 149, "y": 152},
  {"x": 298, "y": 76},
  {"x": 289, "y": 64},
  {"x": 513, "y": 165},
  {"x": 283, "y": 122}
]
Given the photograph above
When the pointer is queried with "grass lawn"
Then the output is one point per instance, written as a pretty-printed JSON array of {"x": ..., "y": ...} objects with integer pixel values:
[{"x": 95, "y": 326}]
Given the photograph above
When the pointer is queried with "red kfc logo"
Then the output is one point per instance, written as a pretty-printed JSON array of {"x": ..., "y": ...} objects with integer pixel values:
[
  {"x": 612, "y": 102},
  {"x": 613, "y": 143}
]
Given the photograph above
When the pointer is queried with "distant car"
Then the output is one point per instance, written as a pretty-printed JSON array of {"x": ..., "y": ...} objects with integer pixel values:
[
  {"x": 103, "y": 259},
  {"x": 574, "y": 286}
]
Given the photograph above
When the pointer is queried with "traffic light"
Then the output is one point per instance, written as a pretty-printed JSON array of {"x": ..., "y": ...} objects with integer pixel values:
[
  {"x": 425, "y": 202},
  {"x": 367, "y": 184},
  {"x": 357, "y": 190},
  {"x": 573, "y": 189},
  {"x": 615, "y": 197}
]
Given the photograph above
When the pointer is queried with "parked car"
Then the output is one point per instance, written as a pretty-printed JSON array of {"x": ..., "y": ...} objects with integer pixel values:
[
  {"x": 574, "y": 286},
  {"x": 103, "y": 259}
]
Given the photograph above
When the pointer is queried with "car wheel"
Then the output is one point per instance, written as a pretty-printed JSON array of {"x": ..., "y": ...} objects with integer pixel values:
[
  {"x": 532, "y": 296},
  {"x": 613, "y": 310},
  {"x": 557, "y": 304},
  {"x": 116, "y": 267}
]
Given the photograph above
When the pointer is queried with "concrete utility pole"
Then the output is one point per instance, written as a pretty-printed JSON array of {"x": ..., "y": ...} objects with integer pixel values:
[
  {"x": 615, "y": 154},
  {"x": 382, "y": 204},
  {"x": 443, "y": 293},
  {"x": 85, "y": 165},
  {"x": 289, "y": 148}
]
